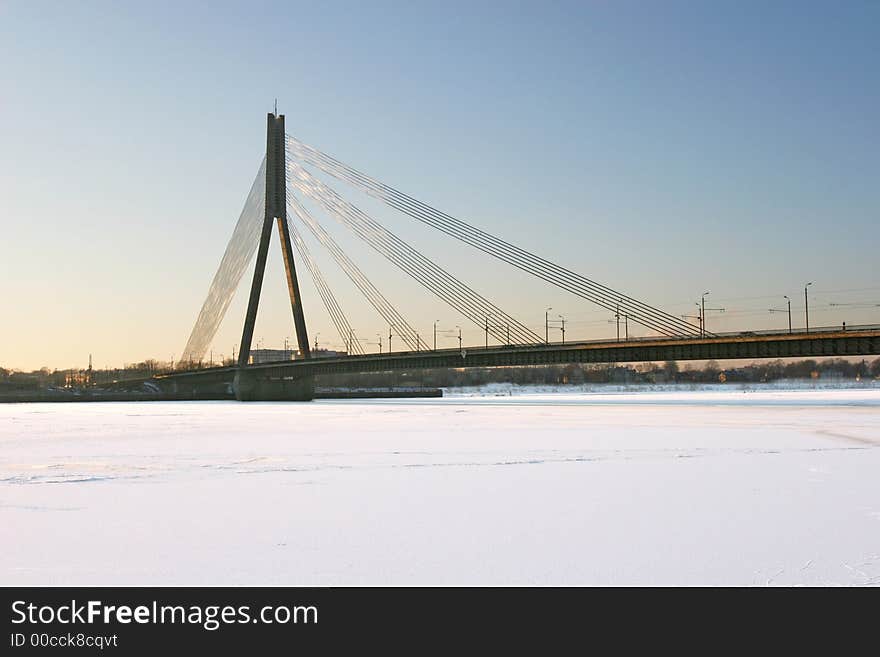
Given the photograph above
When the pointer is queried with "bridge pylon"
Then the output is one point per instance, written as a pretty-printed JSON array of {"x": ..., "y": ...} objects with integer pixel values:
[{"x": 275, "y": 213}]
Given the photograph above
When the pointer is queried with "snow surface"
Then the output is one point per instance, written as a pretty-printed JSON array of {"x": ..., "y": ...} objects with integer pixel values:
[{"x": 717, "y": 486}]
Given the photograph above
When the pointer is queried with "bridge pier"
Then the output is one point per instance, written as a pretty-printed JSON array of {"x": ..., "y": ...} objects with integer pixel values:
[{"x": 251, "y": 386}]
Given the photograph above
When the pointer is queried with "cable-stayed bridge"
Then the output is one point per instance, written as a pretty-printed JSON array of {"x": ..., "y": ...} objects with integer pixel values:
[{"x": 275, "y": 202}]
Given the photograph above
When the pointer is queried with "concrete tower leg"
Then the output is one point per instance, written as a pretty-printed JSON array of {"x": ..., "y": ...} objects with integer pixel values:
[{"x": 248, "y": 384}]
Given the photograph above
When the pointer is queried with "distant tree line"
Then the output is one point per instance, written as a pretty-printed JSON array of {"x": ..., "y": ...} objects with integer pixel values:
[{"x": 668, "y": 372}]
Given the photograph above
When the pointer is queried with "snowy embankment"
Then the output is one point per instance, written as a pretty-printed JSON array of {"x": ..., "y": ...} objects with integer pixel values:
[
  {"x": 511, "y": 389},
  {"x": 664, "y": 487}
]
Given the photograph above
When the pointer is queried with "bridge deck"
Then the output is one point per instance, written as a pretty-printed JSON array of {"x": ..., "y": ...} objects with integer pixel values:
[{"x": 860, "y": 341}]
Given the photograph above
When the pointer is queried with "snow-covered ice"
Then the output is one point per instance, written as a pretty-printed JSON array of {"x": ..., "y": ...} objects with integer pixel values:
[{"x": 722, "y": 486}]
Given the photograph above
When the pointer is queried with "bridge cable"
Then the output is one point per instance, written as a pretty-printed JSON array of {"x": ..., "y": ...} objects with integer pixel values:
[
  {"x": 544, "y": 269},
  {"x": 414, "y": 268},
  {"x": 609, "y": 302},
  {"x": 239, "y": 252},
  {"x": 473, "y": 306},
  {"x": 469, "y": 303},
  {"x": 333, "y": 309},
  {"x": 379, "y": 302}
]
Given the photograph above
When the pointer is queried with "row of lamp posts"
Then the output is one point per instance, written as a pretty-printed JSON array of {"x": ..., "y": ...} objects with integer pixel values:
[{"x": 560, "y": 324}]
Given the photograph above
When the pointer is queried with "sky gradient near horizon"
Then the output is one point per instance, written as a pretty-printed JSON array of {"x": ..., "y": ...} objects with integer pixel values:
[{"x": 663, "y": 149}]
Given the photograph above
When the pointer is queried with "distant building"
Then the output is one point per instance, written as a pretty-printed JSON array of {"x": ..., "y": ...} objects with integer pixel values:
[
  {"x": 276, "y": 355},
  {"x": 270, "y": 355},
  {"x": 328, "y": 353}
]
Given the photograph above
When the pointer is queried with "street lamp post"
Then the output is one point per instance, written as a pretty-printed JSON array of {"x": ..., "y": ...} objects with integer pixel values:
[
  {"x": 459, "y": 336},
  {"x": 487, "y": 331},
  {"x": 782, "y": 310},
  {"x": 617, "y": 317},
  {"x": 807, "y": 306},
  {"x": 703, "y": 310},
  {"x": 379, "y": 335},
  {"x": 563, "y": 328},
  {"x": 547, "y": 325},
  {"x": 703, "y": 314},
  {"x": 316, "y": 340},
  {"x": 785, "y": 296}
]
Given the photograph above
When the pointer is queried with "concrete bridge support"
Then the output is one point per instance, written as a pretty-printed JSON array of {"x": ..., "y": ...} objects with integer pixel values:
[{"x": 250, "y": 385}]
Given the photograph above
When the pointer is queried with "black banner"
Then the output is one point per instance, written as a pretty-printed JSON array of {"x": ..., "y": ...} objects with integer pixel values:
[{"x": 125, "y": 621}]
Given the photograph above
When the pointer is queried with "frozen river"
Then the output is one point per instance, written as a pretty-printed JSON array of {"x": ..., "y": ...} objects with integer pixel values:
[{"x": 703, "y": 487}]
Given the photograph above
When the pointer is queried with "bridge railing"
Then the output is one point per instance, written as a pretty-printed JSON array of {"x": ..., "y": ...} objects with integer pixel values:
[
  {"x": 650, "y": 338},
  {"x": 631, "y": 340},
  {"x": 560, "y": 345}
]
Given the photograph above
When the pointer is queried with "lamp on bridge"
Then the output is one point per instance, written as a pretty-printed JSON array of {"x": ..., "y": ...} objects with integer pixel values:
[
  {"x": 703, "y": 311},
  {"x": 617, "y": 317},
  {"x": 807, "y": 306},
  {"x": 780, "y": 310},
  {"x": 789, "y": 311}
]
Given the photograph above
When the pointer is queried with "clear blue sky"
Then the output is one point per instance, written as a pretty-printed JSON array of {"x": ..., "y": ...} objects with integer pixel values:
[{"x": 663, "y": 148}]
